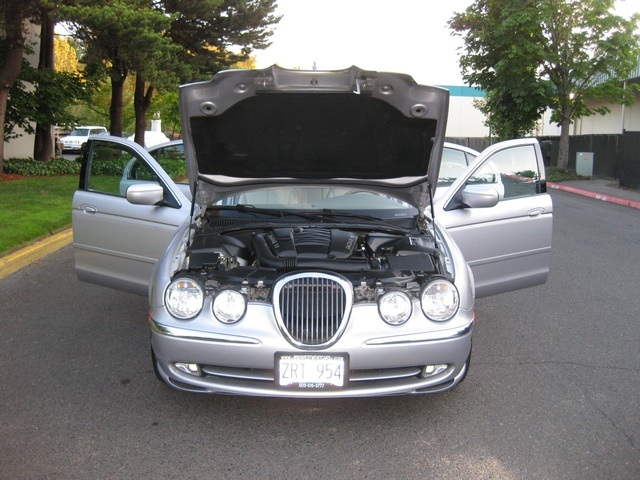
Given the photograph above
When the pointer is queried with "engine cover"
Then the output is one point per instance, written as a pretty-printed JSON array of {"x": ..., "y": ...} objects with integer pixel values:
[{"x": 318, "y": 243}]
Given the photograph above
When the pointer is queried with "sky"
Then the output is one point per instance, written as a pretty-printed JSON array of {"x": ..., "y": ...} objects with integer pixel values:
[{"x": 407, "y": 36}]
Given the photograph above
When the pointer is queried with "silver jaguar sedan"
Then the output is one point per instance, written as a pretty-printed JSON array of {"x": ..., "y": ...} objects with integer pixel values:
[{"x": 302, "y": 253}]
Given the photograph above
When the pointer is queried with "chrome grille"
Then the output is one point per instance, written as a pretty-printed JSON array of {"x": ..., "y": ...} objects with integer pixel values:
[{"x": 312, "y": 308}]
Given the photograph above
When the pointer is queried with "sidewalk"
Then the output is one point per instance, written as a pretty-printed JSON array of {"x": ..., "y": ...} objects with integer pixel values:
[{"x": 599, "y": 189}]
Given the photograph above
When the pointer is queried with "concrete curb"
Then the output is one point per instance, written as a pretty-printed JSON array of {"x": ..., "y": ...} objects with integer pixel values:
[
  {"x": 23, "y": 257},
  {"x": 598, "y": 196}
]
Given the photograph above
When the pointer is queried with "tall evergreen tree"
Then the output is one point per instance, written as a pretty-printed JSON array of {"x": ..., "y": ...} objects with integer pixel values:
[
  {"x": 163, "y": 42},
  {"x": 118, "y": 36}
]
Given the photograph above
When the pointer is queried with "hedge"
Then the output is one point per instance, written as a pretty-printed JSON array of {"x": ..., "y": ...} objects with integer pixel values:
[
  {"x": 112, "y": 167},
  {"x": 34, "y": 168}
]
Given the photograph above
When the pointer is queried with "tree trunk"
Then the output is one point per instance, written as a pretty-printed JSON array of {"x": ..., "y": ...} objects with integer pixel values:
[
  {"x": 141, "y": 105},
  {"x": 118, "y": 77},
  {"x": 43, "y": 148},
  {"x": 10, "y": 68},
  {"x": 4, "y": 95},
  {"x": 563, "y": 148}
]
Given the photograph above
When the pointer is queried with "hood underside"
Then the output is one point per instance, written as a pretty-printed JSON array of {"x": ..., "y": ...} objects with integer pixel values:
[{"x": 245, "y": 129}]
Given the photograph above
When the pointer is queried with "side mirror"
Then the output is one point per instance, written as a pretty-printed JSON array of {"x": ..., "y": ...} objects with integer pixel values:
[
  {"x": 480, "y": 196},
  {"x": 145, "y": 194}
]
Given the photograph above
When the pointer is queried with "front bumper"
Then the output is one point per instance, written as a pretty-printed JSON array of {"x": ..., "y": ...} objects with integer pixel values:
[
  {"x": 72, "y": 146},
  {"x": 378, "y": 365}
]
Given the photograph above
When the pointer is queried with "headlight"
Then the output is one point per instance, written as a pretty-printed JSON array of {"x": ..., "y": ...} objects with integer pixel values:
[
  {"x": 229, "y": 306},
  {"x": 394, "y": 308},
  {"x": 184, "y": 298},
  {"x": 440, "y": 300}
]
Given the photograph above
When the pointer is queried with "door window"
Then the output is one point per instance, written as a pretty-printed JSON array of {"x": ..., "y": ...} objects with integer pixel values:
[
  {"x": 514, "y": 172},
  {"x": 112, "y": 168},
  {"x": 109, "y": 165}
]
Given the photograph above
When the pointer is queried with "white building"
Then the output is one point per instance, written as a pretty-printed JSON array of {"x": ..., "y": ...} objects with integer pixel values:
[{"x": 465, "y": 120}]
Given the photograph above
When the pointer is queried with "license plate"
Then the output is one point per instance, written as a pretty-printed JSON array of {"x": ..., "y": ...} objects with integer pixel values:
[{"x": 311, "y": 371}]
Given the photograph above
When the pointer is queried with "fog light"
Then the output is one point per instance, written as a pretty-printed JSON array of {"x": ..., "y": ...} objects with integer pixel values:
[
  {"x": 431, "y": 370},
  {"x": 189, "y": 368}
]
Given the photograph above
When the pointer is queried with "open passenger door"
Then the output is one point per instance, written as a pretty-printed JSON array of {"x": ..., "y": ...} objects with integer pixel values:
[{"x": 501, "y": 217}]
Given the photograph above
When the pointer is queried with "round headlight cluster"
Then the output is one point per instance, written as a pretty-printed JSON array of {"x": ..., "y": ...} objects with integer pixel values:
[
  {"x": 394, "y": 307},
  {"x": 440, "y": 300},
  {"x": 229, "y": 306},
  {"x": 184, "y": 298}
]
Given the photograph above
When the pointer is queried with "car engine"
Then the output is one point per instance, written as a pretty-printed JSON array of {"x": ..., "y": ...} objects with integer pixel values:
[{"x": 260, "y": 256}]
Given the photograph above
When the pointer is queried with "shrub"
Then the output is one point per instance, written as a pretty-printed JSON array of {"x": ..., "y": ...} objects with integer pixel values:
[
  {"x": 112, "y": 166},
  {"x": 555, "y": 174},
  {"x": 174, "y": 168},
  {"x": 33, "y": 168}
]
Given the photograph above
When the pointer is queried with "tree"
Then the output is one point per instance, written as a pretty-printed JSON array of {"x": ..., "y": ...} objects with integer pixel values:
[
  {"x": 205, "y": 32},
  {"x": 12, "y": 48},
  {"x": 31, "y": 95},
  {"x": 501, "y": 38},
  {"x": 165, "y": 103},
  {"x": 529, "y": 55},
  {"x": 95, "y": 109},
  {"x": 43, "y": 148},
  {"x": 66, "y": 55},
  {"x": 217, "y": 34},
  {"x": 164, "y": 42},
  {"x": 118, "y": 36},
  {"x": 42, "y": 96}
]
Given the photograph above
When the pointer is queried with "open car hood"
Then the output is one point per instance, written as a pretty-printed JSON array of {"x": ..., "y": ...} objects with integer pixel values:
[{"x": 247, "y": 129}]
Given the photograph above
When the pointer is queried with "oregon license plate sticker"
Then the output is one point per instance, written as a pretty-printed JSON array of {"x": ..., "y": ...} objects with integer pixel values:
[{"x": 311, "y": 371}]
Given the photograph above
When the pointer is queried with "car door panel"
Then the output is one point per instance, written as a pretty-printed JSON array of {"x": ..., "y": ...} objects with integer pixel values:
[
  {"x": 507, "y": 246},
  {"x": 117, "y": 243}
]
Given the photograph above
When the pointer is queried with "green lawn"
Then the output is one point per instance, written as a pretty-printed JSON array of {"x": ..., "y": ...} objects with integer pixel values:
[{"x": 33, "y": 208}]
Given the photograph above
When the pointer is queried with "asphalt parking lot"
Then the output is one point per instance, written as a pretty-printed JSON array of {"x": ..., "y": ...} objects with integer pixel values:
[{"x": 553, "y": 392}]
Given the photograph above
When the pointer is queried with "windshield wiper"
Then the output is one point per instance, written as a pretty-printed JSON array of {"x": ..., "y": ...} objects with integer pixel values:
[
  {"x": 321, "y": 216},
  {"x": 339, "y": 213},
  {"x": 248, "y": 208}
]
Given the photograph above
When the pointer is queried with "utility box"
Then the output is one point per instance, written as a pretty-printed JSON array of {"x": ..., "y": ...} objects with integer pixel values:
[{"x": 584, "y": 164}]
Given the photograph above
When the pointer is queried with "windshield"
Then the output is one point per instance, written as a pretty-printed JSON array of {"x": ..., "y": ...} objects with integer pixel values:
[
  {"x": 319, "y": 199},
  {"x": 79, "y": 132}
]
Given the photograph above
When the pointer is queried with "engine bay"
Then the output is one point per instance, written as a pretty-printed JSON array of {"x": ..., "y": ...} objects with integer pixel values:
[{"x": 259, "y": 256}]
